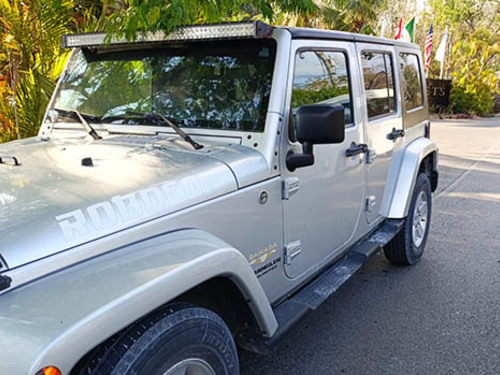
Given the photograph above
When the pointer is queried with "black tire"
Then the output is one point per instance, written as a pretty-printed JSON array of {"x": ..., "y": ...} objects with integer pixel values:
[
  {"x": 158, "y": 343},
  {"x": 402, "y": 249}
]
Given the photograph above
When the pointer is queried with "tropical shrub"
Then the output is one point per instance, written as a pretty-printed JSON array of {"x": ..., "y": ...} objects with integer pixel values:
[
  {"x": 476, "y": 73},
  {"x": 473, "y": 62},
  {"x": 476, "y": 99},
  {"x": 31, "y": 58},
  {"x": 317, "y": 91}
]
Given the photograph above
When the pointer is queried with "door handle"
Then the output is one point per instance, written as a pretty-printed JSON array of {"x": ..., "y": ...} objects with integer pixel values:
[
  {"x": 356, "y": 149},
  {"x": 395, "y": 134}
]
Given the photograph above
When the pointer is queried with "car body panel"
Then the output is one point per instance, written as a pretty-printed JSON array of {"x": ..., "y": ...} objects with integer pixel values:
[
  {"x": 127, "y": 184},
  {"x": 55, "y": 319},
  {"x": 324, "y": 213},
  {"x": 412, "y": 157},
  {"x": 376, "y": 131},
  {"x": 237, "y": 218}
]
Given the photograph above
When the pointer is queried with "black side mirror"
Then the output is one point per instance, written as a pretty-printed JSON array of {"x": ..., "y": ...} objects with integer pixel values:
[{"x": 316, "y": 124}]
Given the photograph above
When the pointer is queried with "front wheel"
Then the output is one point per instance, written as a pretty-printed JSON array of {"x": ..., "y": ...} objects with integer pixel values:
[
  {"x": 179, "y": 340},
  {"x": 409, "y": 244}
]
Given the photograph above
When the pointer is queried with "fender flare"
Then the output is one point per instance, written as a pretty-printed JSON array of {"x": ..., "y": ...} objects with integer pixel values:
[
  {"x": 57, "y": 319},
  {"x": 412, "y": 157}
]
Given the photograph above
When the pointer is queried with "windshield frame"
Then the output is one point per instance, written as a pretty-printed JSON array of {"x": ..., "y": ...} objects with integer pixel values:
[{"x": 269, "y": 143}]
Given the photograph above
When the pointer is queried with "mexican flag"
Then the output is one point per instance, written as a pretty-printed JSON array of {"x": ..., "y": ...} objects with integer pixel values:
[{"x": 408, "y": 33}]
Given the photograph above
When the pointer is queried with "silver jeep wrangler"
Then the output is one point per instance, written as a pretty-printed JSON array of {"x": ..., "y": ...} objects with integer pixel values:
[{"x": 203, "y": 188}]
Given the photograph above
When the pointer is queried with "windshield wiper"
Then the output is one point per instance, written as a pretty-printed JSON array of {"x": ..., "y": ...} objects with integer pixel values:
[
  {"x": 154, "y": 116},
  {"x": 73, "y": 113}
]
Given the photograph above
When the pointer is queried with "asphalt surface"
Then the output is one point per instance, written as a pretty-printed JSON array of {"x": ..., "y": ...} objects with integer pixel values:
[{"x": 441, "y": 316}]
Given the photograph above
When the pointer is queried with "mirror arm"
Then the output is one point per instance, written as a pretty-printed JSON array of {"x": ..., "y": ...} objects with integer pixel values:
[{"x": 294, "y": 161}]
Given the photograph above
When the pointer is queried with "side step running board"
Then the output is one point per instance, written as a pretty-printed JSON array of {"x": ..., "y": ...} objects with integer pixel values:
[{"x": 319, "y": 289}]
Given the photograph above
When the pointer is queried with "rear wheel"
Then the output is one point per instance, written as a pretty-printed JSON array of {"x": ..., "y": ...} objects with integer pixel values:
[
  {"x": 178, "y": 340},
  {"x": 409, "y": 244}
]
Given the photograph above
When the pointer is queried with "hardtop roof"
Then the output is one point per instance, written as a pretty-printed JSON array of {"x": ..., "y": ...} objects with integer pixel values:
[{"x": 325, "y": 34}]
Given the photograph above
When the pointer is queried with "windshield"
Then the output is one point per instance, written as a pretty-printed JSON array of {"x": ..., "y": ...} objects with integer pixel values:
[{"x": 214, "y": 85}]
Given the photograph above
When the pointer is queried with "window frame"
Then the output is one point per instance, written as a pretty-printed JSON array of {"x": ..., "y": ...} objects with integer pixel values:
[
  {"x": 418, "y": 116},
  {"x": 345, "y": 52},
  {"x": 395, "y": 111},
  {"x": 419, "y": 68}
]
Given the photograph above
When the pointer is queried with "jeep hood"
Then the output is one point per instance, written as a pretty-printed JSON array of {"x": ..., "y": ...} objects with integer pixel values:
[{"x": 70, "y": 191}]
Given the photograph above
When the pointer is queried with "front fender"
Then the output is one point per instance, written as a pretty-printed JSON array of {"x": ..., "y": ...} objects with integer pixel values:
[
  {"x": 413, "y": 155},
  {"x": 57, "y": 319}
]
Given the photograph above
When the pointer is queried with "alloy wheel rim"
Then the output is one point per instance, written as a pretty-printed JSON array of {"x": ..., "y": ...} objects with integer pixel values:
[
  {"x": 191, "y": 366},
  {"x": 420, "y": 219}
]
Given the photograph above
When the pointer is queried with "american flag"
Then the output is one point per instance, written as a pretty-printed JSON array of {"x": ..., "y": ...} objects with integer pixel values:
[{"x": 428, "y": 47}]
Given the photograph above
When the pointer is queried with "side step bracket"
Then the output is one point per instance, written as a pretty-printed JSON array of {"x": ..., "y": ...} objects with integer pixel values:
[{"x": 291, "y": 311}]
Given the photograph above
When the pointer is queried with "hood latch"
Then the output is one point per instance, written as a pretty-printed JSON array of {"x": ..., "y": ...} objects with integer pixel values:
[{"x": 13, "y": 158}]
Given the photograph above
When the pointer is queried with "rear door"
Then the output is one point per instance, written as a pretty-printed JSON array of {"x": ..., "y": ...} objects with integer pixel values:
[
  {"x": 382, "y": 120},
  {"x": 413, "y": 103},
  {"x": 323, "y": 202}
]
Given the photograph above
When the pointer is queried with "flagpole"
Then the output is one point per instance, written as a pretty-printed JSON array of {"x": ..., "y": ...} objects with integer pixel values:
[
  {"x": 448, "y": 53},
  {"x": 441, "y": 52},
  {"x": 429, "y": 65},
  {"x": 442, "y": 70}
]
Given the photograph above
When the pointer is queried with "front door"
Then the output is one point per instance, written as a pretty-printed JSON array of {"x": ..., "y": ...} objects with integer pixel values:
[
  {"x": 323, "y": 202},
  {"x": 382, "y": 118}
]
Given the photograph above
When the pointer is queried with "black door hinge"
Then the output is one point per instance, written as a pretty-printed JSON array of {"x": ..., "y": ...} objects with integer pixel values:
[
  {"x": 395, "y": 134},
  {"x": 356, "y": 149}
]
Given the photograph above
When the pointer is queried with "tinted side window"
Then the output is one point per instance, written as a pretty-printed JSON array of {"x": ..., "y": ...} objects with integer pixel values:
[
  {"x": 412, "y": 81},
  {"x": 322, "y": 77},
  {"x": 378, "y": 74}
]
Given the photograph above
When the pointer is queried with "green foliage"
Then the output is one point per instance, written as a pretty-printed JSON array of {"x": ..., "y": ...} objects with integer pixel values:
[
  {"x": 31, "y": 60},
  {"x": 463, "y": 16},
  {"x": 152, "y": 15},
  {"x": 479, "y": 101},
  {"x": 476, "y": 64},
  {"x": 358, "y": 16},
  {"x": 30, "y": 30},
  {"x": 474, "y": 59},
  {"x": 106, "y": 85},
  {"x": 317, "y": 91}
]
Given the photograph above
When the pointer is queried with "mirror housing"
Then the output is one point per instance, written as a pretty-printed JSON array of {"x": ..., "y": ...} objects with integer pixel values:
[{"x": 316, "y": 124}]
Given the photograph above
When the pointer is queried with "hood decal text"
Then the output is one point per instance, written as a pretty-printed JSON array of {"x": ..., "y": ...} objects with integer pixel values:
[{"x": 126, "y": 209}]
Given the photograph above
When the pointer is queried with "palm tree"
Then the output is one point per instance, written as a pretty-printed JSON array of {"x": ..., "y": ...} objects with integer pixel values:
[
  {"x": 359, "y": 16},
  {"x": 29, "y": 32},
  {"x": 31, "y": 58}
]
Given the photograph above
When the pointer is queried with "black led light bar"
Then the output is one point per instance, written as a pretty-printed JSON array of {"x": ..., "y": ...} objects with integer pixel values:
[{"x": 238, "y": 30}]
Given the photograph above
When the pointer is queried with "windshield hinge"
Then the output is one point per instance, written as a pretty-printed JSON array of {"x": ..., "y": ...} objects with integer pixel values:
[
  {"x": 290, "y": 187},
  {"x": 5, "y": 282},
  {"x": 15, "y": 161}
]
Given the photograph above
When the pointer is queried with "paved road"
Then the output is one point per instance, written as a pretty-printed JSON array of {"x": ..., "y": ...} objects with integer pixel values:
[{"x": 441, "y": 316}]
